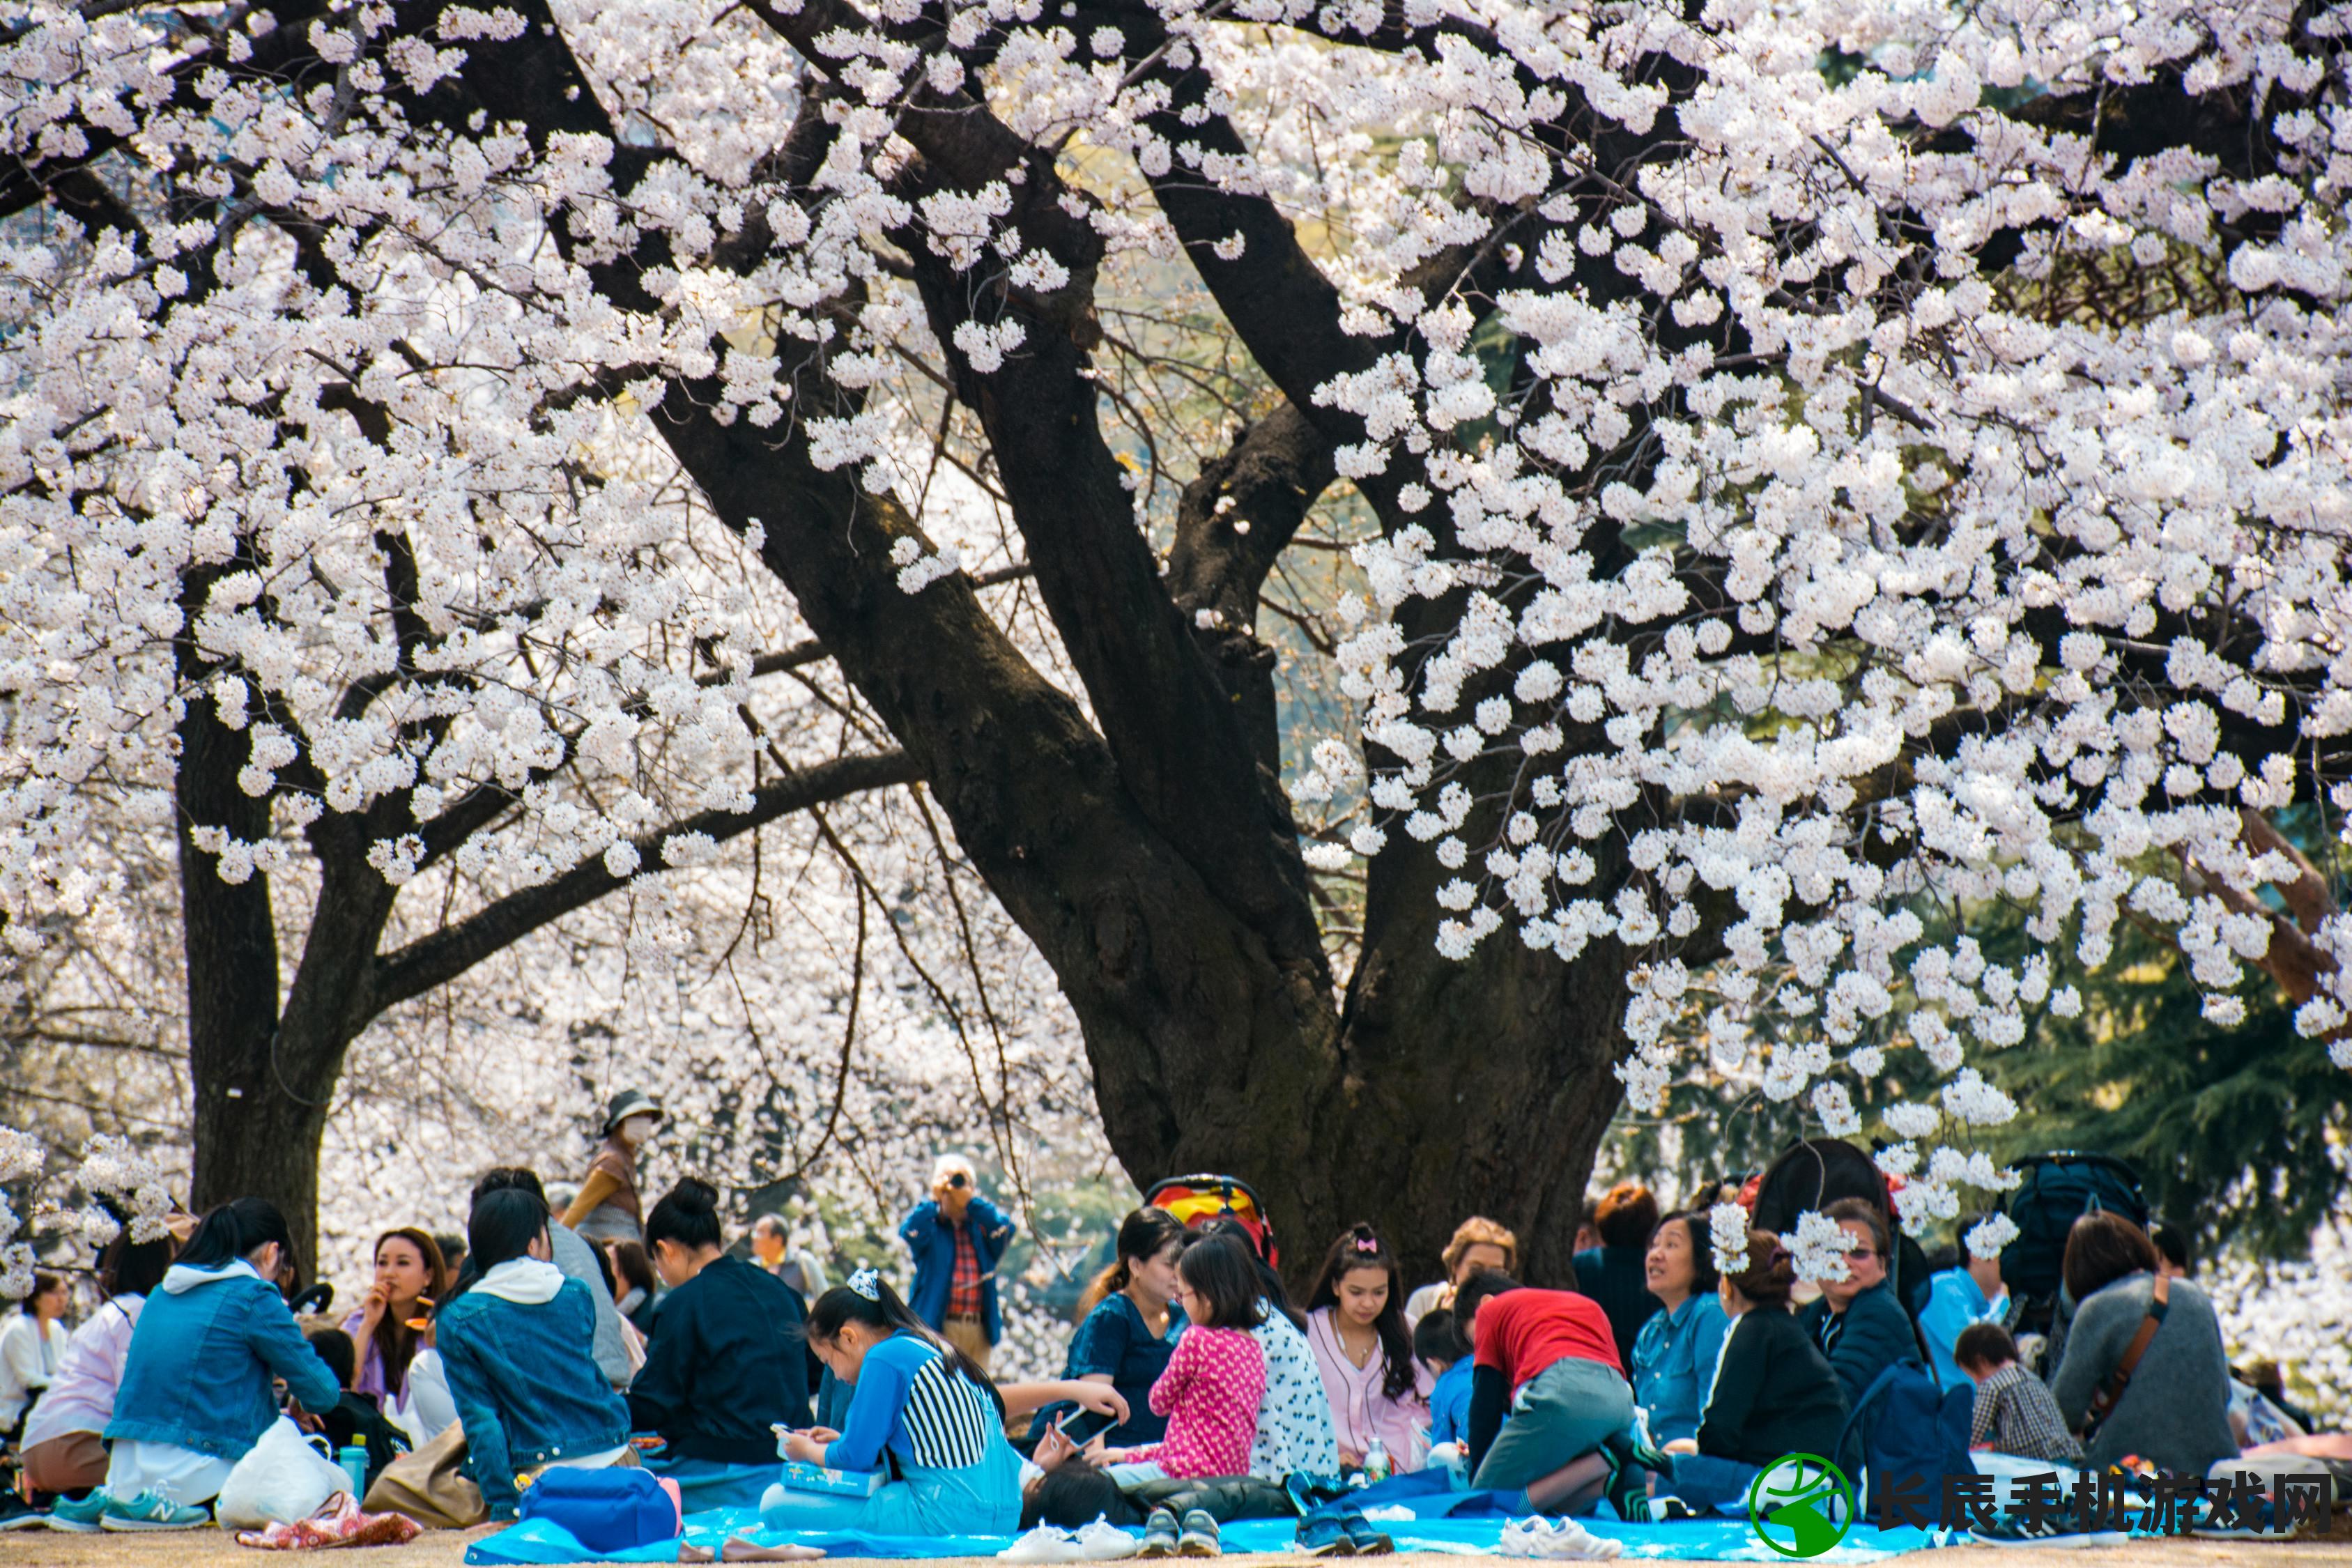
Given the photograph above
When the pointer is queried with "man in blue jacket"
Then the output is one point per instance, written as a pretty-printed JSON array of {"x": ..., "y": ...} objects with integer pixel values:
[
  {"x": 1858, "y": 1323},
  {"x": 957, "y": 1240}
]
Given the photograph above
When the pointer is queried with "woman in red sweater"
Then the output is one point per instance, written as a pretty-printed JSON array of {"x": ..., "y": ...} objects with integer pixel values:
[{"x": 1547, "y": 1391}]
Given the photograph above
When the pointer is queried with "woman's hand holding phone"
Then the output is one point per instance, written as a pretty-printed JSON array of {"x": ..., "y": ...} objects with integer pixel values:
[{"x": 1103, "y": 1400}]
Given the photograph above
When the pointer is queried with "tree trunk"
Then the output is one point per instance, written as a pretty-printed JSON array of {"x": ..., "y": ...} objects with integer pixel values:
[
  {"x": 255, "y": 1127},
  {"x": 253, "y": 1138},
  {"x": 1144, "y": 845},
  {"x": 1444, "y": 1089}
]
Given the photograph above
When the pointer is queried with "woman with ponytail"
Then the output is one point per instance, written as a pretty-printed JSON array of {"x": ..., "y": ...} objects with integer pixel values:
[
  {"x": 918, "y": 1400},
  {"x": 725, "y": 1364},
  {"x": 1773, "y": 1394},
  {"x": 1130, "y": 1324},
  {"x": 1355, "y": 1323},
  {"x": 197, "y": 1388}
]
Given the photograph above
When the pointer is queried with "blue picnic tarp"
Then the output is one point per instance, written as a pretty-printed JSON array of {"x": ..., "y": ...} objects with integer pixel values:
[{"x": 535, "y": 1541}]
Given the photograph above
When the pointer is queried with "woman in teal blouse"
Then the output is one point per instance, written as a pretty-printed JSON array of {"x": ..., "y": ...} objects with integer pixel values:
[{"x": 1675, "y": 1353}]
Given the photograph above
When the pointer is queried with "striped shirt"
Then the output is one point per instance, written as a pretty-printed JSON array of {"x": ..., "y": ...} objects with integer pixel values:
[
  {"x": 912, "y": 1401},
  {"x": 948, "y": 1419}
]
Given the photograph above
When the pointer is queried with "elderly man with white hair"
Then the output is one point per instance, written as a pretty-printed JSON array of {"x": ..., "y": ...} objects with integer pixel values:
[{"x": 957, "y": 1239}]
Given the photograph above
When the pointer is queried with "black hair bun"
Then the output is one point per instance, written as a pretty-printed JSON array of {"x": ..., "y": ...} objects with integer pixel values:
[{"x": 694, "y": 1194}]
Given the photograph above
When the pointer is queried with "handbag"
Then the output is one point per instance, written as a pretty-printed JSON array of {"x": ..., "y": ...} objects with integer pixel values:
[
  {"x": 430, "y": 1486},
  {"x": 2103, "y": 1402}
]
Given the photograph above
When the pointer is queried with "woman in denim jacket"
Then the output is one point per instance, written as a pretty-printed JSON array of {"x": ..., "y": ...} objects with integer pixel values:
[
  {"x": 515, "y": 1348},
  {"x": 196, "y": 1391}
]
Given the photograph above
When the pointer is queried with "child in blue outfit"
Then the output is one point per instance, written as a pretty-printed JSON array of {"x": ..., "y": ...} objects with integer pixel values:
[
  {"x": 1439, "y": 1346},
  {"x": 920, "y": 1401}
]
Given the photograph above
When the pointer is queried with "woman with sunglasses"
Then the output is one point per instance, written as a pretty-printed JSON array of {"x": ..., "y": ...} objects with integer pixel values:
[{"x": 1858, "y": 1323}]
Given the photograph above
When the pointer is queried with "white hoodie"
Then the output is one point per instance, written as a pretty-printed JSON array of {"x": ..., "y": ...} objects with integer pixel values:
[
  {"x": 525, "y": 1281},
  {"x": 180, "y": 1279}
]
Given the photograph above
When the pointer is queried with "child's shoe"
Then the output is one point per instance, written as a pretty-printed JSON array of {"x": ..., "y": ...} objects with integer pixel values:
[
  {"x": 1199, "y": 1538},
  {"x": 1103, "y": 1542},
  {"x": 1325, "y": 1536},
  {"x": 1159, "y": 1534},
  {"x": 1046, "y": 1543}
]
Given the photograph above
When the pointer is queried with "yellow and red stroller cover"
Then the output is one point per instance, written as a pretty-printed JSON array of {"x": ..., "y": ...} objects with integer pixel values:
[{"x": 1197, "y": 1199}]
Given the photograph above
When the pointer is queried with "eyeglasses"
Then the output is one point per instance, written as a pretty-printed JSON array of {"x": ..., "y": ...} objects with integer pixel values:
[{"x": 1860, "y": 1252}]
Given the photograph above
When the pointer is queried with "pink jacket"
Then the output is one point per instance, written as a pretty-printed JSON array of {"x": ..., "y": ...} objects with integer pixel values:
[
  {"x": 81, "y": 1395},
  {"x": 1360, "y": 1407},
  {"x": 1209, "y": 1392}
]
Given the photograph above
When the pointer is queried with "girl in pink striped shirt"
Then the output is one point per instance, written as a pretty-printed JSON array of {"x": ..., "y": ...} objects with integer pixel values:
[{"x": 1210, "y": 1389}]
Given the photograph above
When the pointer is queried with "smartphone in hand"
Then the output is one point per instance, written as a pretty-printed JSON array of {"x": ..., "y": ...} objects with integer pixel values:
[{"x": 1083, "y": 1425}]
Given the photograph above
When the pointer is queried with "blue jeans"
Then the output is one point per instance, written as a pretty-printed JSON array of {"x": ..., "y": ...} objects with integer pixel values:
[
  {"x": 1703, "y": 1480},
  {"x": 977, "y": 1500},
  {"x": 1564, "y": 1412}
]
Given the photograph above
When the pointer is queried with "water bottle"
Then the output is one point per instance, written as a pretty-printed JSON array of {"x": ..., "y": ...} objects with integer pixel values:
[
  {"x": 1377, "y": 1468},
  {"x": 353, "y": 1458}
]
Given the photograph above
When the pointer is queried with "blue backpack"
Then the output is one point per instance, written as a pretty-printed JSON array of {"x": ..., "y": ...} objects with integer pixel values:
[
  {"x": 611, "y": 1509},
  {"x": 1903, "y": 1427}
]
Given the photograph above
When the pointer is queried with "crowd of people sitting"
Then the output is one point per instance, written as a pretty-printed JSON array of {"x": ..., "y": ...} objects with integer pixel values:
[{"x": 1195, "y": 1391}]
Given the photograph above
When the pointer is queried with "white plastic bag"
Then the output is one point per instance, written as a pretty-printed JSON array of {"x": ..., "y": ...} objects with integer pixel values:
[{"x": 283, "y": 1478}]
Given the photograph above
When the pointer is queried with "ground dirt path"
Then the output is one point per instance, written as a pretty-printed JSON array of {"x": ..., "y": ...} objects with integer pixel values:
[{"x": 214, "y": 1549}]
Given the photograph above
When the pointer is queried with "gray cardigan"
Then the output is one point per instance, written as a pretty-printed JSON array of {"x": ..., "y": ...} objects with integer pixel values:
[
  {"x": 574, "y": 1255},
  {"x": 2174, "y": 1412}
]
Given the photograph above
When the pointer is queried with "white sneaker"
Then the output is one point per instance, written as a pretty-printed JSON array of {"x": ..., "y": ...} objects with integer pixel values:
[
  {"x": 1524, "y": 1537},
  {"x": 1559, "y": 1540},
  {"x": 1571, "y": 1541},
  {"x": 1046, "y": 1543},
  {"x": 1103, "y": 1542}
]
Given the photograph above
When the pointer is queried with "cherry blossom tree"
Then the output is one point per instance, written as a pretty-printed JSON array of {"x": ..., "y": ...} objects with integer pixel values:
[{"x": 1812, "y": 460}]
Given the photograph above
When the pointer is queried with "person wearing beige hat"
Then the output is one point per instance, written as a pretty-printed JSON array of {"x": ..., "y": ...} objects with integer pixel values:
[{"x": 607, "y": 1208}]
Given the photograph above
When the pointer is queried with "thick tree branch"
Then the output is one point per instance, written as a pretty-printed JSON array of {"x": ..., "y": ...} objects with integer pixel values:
[
  {"x": 1232, "y": 525},
  {"x": 439, "y": 958}
]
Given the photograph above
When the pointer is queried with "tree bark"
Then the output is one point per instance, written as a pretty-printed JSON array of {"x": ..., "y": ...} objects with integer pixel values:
[
  {"x": 256, "y": 1137},
  {"x": 258, "y": 1111},
  {"x": 1149, "y": 853}
]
